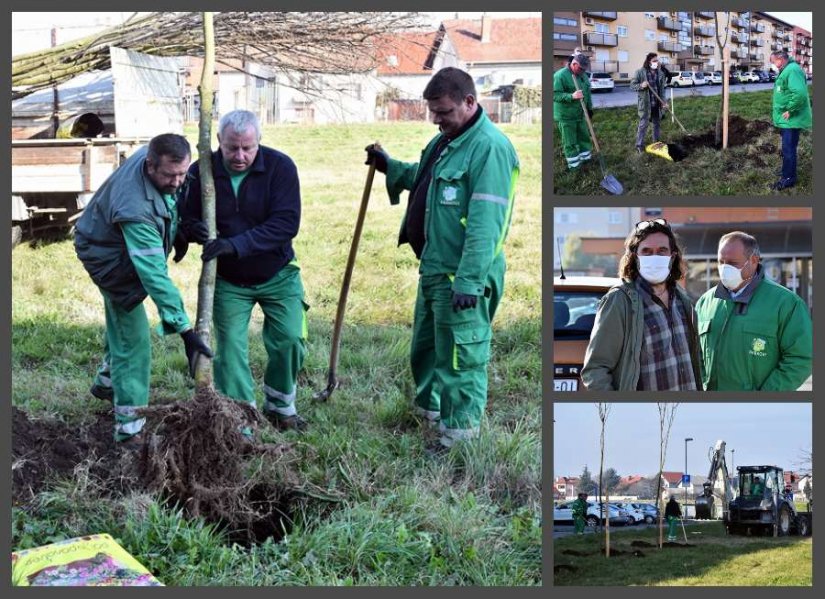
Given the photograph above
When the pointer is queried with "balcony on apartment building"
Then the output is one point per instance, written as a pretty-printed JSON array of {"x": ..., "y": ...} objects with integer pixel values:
[
  {"x": 776, "y": 46},
  {"x": 741, "y": 53},
  {"x": 738, "y": 38},
  {"x": 757, "y": 42},
  {"x": 601, "y": 39},
  {"x": 757, "y": 28},
  {"x": 704, "y": 50},
  {"x": 707, "y": 14},
  {"x": 670, "y": 47},
  {"x": 703, "y": 31},
  {"x": 757, "y": 57},
  {"x": 604, "y": 66},
  {"x": 739, "y": 22},
  {"x": 670, "y": 24},
  {"x": 778, "y": 34},
  {"x": 607, "y": 16}
]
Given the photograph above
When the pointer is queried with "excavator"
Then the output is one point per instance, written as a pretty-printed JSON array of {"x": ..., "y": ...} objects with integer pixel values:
[
  {"x": 759, "y": 505},
  {"x": 717, "y": 492}
]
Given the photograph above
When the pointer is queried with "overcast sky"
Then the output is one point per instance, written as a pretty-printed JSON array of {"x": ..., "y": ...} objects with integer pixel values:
[
  {"x": 800, "y": 19},
  {"x": 761, "y": 433}
]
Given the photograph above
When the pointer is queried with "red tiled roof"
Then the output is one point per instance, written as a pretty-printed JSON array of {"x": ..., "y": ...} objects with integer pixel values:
[
  {"x": 672, "y": 477},
  {"x": 511, "y": 40},
  {"x": 407, "y": 53},
  {"x": 629, "y": 480}
]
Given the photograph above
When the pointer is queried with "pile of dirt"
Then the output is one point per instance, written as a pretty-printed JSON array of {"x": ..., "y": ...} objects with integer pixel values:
[
  {"x": 564, "y": 568},
  {"x": 575, "y": 553},
  {"x": 677, "y": 545},
  {"x": 195, "y": 455}
]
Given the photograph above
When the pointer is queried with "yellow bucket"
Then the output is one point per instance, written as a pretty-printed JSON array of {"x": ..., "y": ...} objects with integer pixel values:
[{"x": 659, "y": 149}]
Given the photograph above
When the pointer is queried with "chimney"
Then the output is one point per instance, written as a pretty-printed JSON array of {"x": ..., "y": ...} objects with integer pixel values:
[{"x": 486, "y": 28}]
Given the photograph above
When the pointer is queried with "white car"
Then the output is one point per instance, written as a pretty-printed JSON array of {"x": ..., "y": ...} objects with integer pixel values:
[
  {"x": 564, "y": 513},
  {"x": 601, "y": 82},
  {"x": 635, "y": 515},
  {"x": 714, "y": 78},
  {"x": 682, "y": 79},
  {"x": 698, "y": 78}
]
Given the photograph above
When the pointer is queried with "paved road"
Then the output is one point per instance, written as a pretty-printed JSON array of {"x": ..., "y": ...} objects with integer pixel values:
[
  {"x": 623, "y": 96},
  {"x": 807, "y": 385},
  {"x": 565, "y": 530}
]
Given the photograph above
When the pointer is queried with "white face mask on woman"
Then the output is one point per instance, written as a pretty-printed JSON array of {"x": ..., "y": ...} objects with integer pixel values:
[
  {"x": 654, "y": 269},
  {"x": 654, "y": 65}
]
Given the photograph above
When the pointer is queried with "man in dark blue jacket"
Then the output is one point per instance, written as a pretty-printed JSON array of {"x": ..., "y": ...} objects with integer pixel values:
[{"x": 257, "y": 214}]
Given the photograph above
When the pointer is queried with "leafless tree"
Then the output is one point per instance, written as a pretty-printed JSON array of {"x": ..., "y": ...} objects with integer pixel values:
[
  {"x": 724, "y": 51},
  {"x": 287, "y": 42},
  {"x": 604, "y": 412},
  {"x": 667, "y": 412}
]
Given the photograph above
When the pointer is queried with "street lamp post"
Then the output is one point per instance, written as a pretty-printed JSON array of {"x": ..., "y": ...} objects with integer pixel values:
[
  {"x": 686, "y": 470},
  {"x": 733, "y": 460}
]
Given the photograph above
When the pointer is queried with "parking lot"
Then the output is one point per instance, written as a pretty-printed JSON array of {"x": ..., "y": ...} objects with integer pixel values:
[
  {"x": 565, "y": 530},
  {"x": 622, "y": 95}
]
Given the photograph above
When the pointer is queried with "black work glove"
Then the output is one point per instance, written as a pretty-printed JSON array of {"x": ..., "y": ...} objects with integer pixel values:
[
  {"x": 194, "y": 230},
  {"x": 194, "y": 346},
  {"x": 181, "y": 246},
  {"x": 462, "y": 301},
  {"x": 217, "y": 247},
  {"x": 590, "y": 113},
  {"x": 377, "y": 155}
]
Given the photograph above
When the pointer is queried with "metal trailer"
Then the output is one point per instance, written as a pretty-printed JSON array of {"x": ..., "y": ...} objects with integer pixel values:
[{"x": 67, "y": 141}]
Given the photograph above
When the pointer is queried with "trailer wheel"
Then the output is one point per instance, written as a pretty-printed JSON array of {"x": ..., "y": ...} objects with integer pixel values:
[
  {"x": 16, "y": 235},
  {"x": 592, "y": 521},
  {"x": 783, "y": 525}
]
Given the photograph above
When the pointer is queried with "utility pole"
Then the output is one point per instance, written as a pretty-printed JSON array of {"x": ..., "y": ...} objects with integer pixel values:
[{"x": 686, "y": 471}]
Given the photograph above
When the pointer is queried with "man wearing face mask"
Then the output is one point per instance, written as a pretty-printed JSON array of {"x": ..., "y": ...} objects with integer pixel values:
[
  {"x": 644, "y": 337},
  {"x": 567, "y": 110},
  {"x": 647, "y": 80},
  {"x": 755, "y": 334}
]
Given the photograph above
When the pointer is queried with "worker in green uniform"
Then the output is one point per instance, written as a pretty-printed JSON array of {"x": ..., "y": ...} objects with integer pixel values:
[
  {"x": 673, "y": 512},
  {"x": 791, "y": 112},
  {"x": 459, "y": 211},
  {"x": 567, "y": 110},
  {"x": 758, "y": 487},
  {"x": 124, "y": 238},
  {"x": 257, "y": 214},
  {"x": 754, "y": 334},
  {"x": 579, "y": 509}
]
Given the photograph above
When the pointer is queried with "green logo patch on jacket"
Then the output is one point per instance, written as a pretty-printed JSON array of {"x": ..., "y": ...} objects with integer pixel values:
[
  {"x": 450, "y": 196},
  {"x": 758, "y": 348}
]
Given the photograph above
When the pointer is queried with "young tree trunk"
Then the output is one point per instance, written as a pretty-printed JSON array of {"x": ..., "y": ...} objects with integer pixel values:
[
  {"x": 604, "y": 510},
  {"x": 206, "y": 284},
  {"x": 724, "y": 49}
]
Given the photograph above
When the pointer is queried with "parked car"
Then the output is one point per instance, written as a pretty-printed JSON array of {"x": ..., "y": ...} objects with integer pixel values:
[
  {"x": 762, "y": 75},
  {"x": 641, "y": 512},
  {"x": 682, "y": 79},
  {"x": 563, "y": 513},
  {"x": 698, "y": 78},
  {"x": 714, "y": 78},
  {"x": 747, "y": 77},
  {"x": 601, "y": 82},
  {"x": 733, "y": 77},
  {"x": 623, "y": 514},
  {"x": 575, "y": 301},
  {"x": 772, "y": 75}
]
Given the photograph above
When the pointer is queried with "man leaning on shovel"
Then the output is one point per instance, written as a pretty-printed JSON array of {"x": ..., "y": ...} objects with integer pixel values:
[
  {"x": 459, "y": 210},
  {"x": 567, "y": 110}
]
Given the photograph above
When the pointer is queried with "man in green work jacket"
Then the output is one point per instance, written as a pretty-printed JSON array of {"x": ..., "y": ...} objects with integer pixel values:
[
  {"x": 755, "y": 335},
  {"x": 579, "y": 511},
  {"x": 791, "y": 112},
  {"x": 124, "y": 239},
  {"x": 567, "y": 110},
  {"x": 459, "y": 211}
]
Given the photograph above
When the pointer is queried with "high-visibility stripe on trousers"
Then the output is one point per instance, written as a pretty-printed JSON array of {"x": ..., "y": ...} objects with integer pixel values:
[{"x": 576, "y": 143}]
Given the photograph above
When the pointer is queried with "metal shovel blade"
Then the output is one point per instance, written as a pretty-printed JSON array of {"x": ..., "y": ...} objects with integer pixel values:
[{"x": 612, "y": 185}]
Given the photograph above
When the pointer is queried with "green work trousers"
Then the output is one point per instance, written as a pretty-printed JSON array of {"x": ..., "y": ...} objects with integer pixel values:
[
  {"x": 449, "y": 354},
  {"x": 284, "y": 336},
  {"x": 579, "y": 524},
  {"x": 575, "y": 139},
  {"x": 672, "y": 528},
  {"x": 126, "y": 365}
]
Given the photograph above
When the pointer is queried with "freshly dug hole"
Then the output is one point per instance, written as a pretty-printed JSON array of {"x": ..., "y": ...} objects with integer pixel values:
[{"x": 759, "y": 137}]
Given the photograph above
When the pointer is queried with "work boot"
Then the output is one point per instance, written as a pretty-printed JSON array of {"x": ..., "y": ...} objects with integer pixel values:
[
  {"x": 640, "y": 150},
  {"x": 287, "y": 423},
  {"x": 783, "y": 184},
  {"x": 103, "y": 393}
]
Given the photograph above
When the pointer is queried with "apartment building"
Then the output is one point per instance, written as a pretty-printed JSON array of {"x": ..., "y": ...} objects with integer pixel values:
[{"x": 617, "y": 42}]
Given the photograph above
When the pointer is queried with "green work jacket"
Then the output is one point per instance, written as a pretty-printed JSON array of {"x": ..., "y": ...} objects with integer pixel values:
[
  {"x": 127, "y": 196},
  {"x": 612, "y": 359},
  {"x": 565, "y": 108},
  {"x": 760, "y": 341},
  {"x": 469, "y": 204},
  {"x": 579, "y": 508},
  {"x": 790, "y": 94}
]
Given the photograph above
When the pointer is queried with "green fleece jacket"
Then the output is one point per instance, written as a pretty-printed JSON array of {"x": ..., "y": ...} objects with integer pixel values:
[
  {"x": 612, "y": 358},
  {"x": 762, "y": 340},
  {"x": 790, "y": 94}
]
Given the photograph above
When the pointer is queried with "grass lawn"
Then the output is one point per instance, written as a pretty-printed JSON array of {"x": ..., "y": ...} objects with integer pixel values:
[
  {"x": 404, "y": 518},
  {"x": 747, "y": 169},
  {"x": 713, "y": 559}
]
